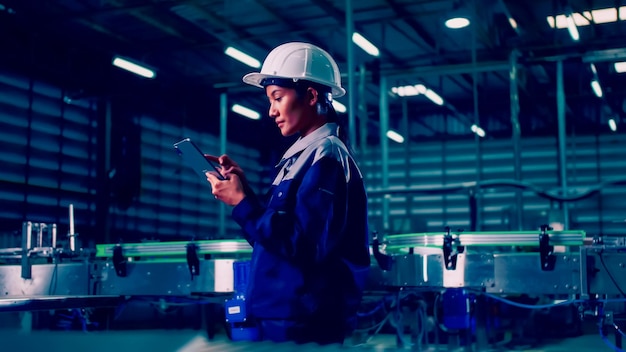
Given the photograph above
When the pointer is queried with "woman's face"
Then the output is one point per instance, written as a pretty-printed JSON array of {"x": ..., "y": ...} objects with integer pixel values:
[{"x": 291, "y": 113}]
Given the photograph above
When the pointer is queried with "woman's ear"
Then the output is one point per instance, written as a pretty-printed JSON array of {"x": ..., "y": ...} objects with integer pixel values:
[{"x": 312, "y": 96}]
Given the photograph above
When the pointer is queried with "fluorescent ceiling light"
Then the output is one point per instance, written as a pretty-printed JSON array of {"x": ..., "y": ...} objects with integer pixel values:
[
  {"x": 612, "y": 125},
  {"x": 620, "y": 67},
  {"x": 479, "y": 131},
  {"x": 560, "y": 21},
  {"x": 457, "y": 22},
  {"x": 249, "y": 113},
  {"x": 572, "y": 29},
  {"x": 595, "y": 85},
  {"x": 395, "y": 136},
  {"x": 513, "y": 22},
  {"x": 604, "y": 15},
  {"x": 405, "y": 91},
  {"x": 133, "y": 67},
  {"x": 598, "y": 16},
  {"x": 365, "y": 44},
  {"x": 242, "y": 57},
  {"x": 583, "y": 19},
  {"x": 409, "y": 91},
  {"x": 434, "y": 97},
  {"x": 339, "y": 107}
]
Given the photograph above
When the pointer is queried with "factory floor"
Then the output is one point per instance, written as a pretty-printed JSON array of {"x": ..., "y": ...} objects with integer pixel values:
[
  {"x": 25, "y": 332},
  {"x": 196, "y": 341}
]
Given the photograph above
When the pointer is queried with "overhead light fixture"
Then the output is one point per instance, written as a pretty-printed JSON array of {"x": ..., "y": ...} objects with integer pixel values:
[
  {"x": 365, "y": 44},
  {"x": 457, "y": 22},
  {"x": 604, "y": 15},
  {"x": 395, "y": 136},
  {"x": 595, "y": 85},
  {"x": 339, "y": 107},
  {"x": 620, "y": 67},
  {"x": 242, "y": 57},
  {"x": 405, "y": 91},
  {"x": 612, "y": 125},
  {"x": 479, "y": 131},
  {"x": 571, "y": 27},
  {"x": 408, "y": 91},
  {"x": 434, "y": 97},
  {"x": 133, "y": 67},
  {"x": 560, "y": 21},
  {"x": 513, "y": 22},
  {"x": 595, "y": 82},
  {"x": 247, "y": 112},
  {"x": 597, "y": 16}
]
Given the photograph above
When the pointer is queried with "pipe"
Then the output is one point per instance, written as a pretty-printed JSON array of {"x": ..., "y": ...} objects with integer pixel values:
[
  {"x": 53, "y": 237},
  {"x": 362, "y": 110},
  {"x": 443, "y": 70},
  {"x": 516, "y": 134},
  {"x": 384, "y": 148},
  {"x": 560, "y": 105},
  {"x": 474, "y": 195},
  {"x": 223, "y": 129},
  {"x": 71, "y": 234},
  {"x": 105, "y": 201},
  {"x": 351, "y": 93},
  {"x": 27, "y": 228}
]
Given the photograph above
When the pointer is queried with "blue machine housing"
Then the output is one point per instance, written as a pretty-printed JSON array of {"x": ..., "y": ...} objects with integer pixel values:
[{"x": 235, "y": 308}]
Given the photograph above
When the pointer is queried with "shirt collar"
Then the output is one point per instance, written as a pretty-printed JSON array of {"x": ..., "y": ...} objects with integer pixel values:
[{"x": 326, "y": 130}]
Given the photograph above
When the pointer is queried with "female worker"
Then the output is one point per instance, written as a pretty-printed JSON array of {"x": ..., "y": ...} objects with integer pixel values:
[{"x": 310, "y": 255}]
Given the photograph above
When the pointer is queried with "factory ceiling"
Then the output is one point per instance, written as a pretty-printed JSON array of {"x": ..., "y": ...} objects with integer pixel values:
[{"x": 72, "y": 43}]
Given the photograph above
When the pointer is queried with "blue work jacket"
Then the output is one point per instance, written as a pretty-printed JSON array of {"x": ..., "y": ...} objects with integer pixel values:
[{"x": 310, "y": 239}]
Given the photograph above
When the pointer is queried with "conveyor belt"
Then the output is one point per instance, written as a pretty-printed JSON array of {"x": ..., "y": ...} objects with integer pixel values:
[
  {"x": 178, "y": 248},
  {"x": 30, "y": 303},
  {"x": 485, "y": 238}
]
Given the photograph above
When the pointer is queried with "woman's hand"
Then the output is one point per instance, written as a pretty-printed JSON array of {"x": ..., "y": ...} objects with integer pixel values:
[
  {"x": 229, "y": 166},
  {"x": 229, "y": 191}
]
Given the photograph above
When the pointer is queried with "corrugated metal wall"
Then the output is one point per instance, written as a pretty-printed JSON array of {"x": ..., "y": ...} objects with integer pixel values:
[
  {"x": 50, "y": 160},
  {"x": 174, "y": 202},
  {"x": 48, "y": 156},
  {"x": 591, "y": 161}
]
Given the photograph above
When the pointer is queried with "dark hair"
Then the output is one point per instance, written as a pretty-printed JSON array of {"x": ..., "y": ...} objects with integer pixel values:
[
  {"x": 325, "y": 107},
  {"x": 342, "y": 124}
]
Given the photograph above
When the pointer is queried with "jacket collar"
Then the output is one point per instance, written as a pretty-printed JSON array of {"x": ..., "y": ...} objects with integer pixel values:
[{"x": 326, "y": 130}]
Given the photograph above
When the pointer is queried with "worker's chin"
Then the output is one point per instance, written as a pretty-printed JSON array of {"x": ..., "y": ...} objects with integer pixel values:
[{"x": 287, "y": 132}]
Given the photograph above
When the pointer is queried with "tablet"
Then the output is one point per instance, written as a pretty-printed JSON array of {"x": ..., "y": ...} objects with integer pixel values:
[{"x": 194, "y": 158}]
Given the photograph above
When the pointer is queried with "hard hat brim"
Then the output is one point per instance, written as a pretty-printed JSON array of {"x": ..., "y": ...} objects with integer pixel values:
[{"x": 255, "y": 79}]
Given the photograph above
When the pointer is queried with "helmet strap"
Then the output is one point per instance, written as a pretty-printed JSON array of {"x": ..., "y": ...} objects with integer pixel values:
[
  {"x": 324, "y": 97},
  {"x": 282, "y": 82}
]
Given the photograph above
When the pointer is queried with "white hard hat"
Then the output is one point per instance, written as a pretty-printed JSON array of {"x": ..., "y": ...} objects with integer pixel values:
[{"x": 298, "y": 61}]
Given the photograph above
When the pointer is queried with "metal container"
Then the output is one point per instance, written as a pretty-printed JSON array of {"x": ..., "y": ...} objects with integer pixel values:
[
  {"x": 521, "y": 273},
  {"x": 166, "y": 278}
]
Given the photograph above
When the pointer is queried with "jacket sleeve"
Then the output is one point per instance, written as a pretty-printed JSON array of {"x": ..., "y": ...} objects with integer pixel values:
[
  {"x": 309, "y": 230},
  {"x": 250, "y": 201}
]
